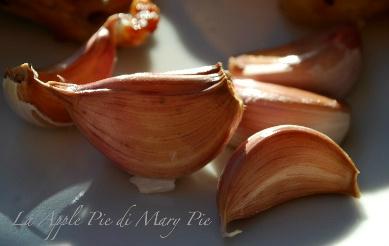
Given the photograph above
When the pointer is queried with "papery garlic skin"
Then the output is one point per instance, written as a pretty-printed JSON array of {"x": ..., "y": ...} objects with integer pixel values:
[
  {"x": 268, "y": 105},
  {"x": 25, "y": 110},
  {"x": 31, "y": 101},
  {"x": 155, "y": 125},
  {"x": 279, "y": 164},
  {"x": 92, "y": 62},
  {"x": 152, "y": 185},
  {"x": 328, "y": 63}
]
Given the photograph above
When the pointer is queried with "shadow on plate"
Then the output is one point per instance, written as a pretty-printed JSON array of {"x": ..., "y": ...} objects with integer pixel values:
[
  {"x": 48, "y": 183},
  {"x": 318, "y": 220},
  {"x": 112, "y": 194},
  {"x": 214, "y": 30},
  {"x": 309, "y": 221},
  {"x": 367, "y": 142},
  {"x": 43, "y": 50},
  {"x": 36, "y": 163}
]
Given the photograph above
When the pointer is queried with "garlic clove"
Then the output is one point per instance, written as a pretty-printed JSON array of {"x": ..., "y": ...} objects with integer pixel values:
[
  {"x": 94, "y": 61},
  {"x": 328, "y": 63},
  {"x": 279, "y": 164},
  {"x": 155, "y": 125},
  {"x": 152, "y": 185},
  {"x": 268, "y": 105}
]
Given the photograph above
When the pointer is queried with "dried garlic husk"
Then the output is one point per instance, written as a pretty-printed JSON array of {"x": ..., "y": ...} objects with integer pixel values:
[
  {"x": 94, "y": 61},
  {"x": 155, "y": 125},
  {"x": 279, "y": 164},
  {"x": 268, "y": 105},
  {"x": 328, "y": 63},
  {"x": 153, "y": 185},
  {"x": 32, "y": 102}
]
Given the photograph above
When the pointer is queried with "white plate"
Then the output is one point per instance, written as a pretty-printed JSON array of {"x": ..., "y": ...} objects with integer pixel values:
[{"x": 44, "y": 171}]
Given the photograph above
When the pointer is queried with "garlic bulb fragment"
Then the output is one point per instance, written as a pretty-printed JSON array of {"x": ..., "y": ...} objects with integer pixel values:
[
  {"x": 328, "y": 63},
  {"x": 268, "y": 105},
  {"x": 155, "y": 125},
  {"x": 279, "y": 164},
  {"x": 94, "y": 61}
]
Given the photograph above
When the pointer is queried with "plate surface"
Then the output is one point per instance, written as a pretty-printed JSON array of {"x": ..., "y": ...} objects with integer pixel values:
[{"x": 46, "y": 172}]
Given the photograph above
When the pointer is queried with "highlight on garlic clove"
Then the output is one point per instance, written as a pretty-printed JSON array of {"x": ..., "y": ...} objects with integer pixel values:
[
  {"x": 268, "y": 105},
  {"x": 328, "y": 63},
  {"x": 153, "y": 185},
  {"x": 155, "y": 125},
  {"x": 94, "y": 61},
  {"x": 279, "y": 164}
]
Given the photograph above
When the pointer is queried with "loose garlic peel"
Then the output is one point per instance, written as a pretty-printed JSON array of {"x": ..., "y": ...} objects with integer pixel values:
[
  {"x": 279, "y": 164},
  {"x": 268, "y": 105},
  {"x": 31, "y": 101},
  {"x": 155, "y": 125},
  {"x": 152, "y": 185},
  {"x": 94, "y": 61}
]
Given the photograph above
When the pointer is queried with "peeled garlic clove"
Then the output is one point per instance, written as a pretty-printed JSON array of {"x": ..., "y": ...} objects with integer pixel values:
[
  {"x": 268, "y": 105},
  {"x": 328, "y": 63},
  {"x": 155, "y": 125},
  {"x": 279, "y": 164}
]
